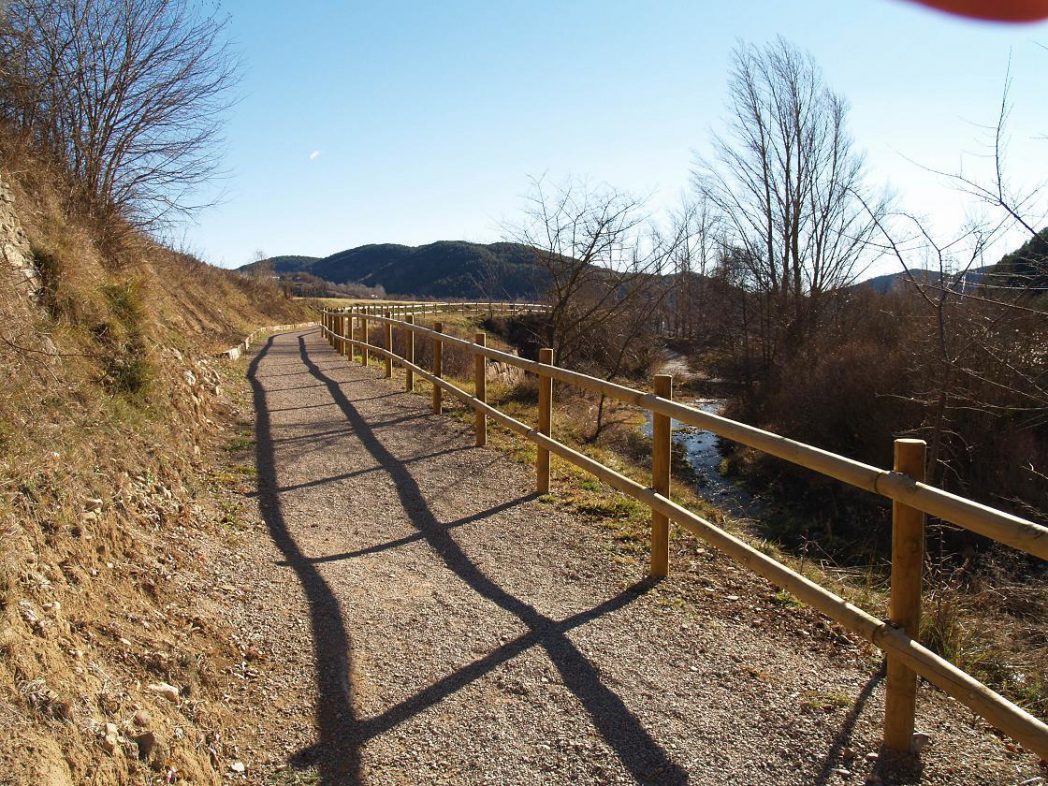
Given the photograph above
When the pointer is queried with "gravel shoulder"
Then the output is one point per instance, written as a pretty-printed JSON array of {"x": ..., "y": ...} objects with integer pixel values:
[{"x": 413, "y": 614}]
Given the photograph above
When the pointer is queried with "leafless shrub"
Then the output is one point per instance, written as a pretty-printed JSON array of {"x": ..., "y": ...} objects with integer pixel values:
[{"x": 605, "y": 261}]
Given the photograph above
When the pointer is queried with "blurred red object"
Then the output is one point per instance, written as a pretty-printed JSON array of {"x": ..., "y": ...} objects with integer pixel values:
[{"x": 996, "y": 10}]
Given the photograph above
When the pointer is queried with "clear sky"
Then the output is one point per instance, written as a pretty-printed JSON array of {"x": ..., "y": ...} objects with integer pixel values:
[{"x": 408, "y": 122}]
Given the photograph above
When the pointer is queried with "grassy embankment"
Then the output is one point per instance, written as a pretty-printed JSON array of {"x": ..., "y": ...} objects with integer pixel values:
[{"x": 109, "y": 411}]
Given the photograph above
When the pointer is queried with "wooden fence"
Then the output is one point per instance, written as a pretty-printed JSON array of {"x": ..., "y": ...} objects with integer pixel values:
[
  {"x": 399, "y": 310},
  {"x": 912, "y": 499}
]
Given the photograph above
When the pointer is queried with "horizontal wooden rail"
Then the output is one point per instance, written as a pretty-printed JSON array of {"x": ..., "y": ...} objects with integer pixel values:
[
  {"x": 435, "y": 307},
  {"x": 1005, "y": 715}
]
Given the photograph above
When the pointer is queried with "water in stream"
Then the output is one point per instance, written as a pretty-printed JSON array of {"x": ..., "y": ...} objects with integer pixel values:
[{"x": 702, "y": 449}]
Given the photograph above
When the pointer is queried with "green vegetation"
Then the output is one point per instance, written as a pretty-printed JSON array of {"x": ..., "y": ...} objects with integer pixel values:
[{"x": 825, "y": 702}]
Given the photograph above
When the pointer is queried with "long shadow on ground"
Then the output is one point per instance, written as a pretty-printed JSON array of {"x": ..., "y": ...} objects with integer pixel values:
[
  {"x": 622, "y": 731},
  {"x": 336, "y": 721}
]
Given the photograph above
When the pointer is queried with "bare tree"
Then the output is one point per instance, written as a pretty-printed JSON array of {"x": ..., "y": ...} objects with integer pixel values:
[
  {"x": 783, "y": 179},
  {"x": 980, "y": 373},
  {"x": 1023, "y": 206},
  {"x": 943, "y": 265},
  {"x": 1024, "y": 273},
  {"x": 982, "y": 356},
  {"x": 490, "y": 285},
  {"x": 604, "y": 261},
  {"x": 130, "y": 93},
  {"x": 695, "y": 226},
  {"x": 598, "y": 252}
]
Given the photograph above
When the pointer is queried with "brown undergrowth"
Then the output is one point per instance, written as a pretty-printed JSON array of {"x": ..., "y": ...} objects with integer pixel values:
[{"x": 110, "y": 671}]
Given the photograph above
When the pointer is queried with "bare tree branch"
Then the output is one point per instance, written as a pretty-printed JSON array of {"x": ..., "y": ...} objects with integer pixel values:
[{"x": 131, "y": 93}]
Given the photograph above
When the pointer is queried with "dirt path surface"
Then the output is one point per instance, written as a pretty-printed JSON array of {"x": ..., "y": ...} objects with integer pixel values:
[{"x": 414, "y": 615}]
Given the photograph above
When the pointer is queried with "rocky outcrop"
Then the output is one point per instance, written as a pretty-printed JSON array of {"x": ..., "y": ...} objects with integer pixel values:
[{"x": 14, "y": 246}]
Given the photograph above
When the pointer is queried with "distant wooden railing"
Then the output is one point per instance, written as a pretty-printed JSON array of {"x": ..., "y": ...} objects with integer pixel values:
[
  {"x": 911, "y": 497},
  {"x": 422, "y": 308}
]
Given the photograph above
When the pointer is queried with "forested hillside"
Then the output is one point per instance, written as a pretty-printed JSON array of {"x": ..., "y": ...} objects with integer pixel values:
[{"x": 445, "y": 269}]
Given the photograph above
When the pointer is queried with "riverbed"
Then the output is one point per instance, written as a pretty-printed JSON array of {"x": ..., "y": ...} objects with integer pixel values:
[{"x": 702, "y": 450}]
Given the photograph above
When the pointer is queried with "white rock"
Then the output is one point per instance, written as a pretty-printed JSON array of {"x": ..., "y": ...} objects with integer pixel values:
[
  {"x": 238, "y": 766},
  {"x": 919, "y": 741},
  {"x": 111, "y": 738},
  {"x": 164, "y": 690}
]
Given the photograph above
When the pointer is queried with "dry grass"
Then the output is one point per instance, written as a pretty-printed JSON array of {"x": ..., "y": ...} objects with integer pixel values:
[{"x": 106, "y": 417}]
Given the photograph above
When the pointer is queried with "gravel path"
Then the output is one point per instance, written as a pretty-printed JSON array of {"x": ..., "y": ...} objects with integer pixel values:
[{"x": 413, "y": 615}]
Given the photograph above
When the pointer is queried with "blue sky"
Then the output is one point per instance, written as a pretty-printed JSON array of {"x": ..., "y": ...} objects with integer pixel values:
[{"x": 408, "y": 122}]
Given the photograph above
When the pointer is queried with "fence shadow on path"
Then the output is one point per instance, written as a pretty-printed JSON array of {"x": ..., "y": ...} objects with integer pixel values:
[
  {"x": 623, "y": 732},
  {"x": 339, "y": 762}
]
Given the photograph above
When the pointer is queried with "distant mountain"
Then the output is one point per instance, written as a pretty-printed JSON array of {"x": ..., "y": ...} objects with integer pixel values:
[
  {"x": 895, "y": 281},
  {"x": 1027, "y": 266},
  {"x": 445, "y": 269},
  {"x": 285, "y": 264}
]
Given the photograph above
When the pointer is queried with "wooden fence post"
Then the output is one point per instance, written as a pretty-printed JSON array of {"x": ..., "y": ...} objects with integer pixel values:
[
  {"x": 480, "y": 390},
  {"x": 438, "y": 367},
  {"x": 389, "y": 346},
  {"x": 409, "y": 353},
  {"x": 661, "y": 446},
  {"x": 545, "y": 421},
  {"x": 366, "y": 356},
  {"x": 340, "y": 323},
  {"x": 354, "y": 334},
  {"x": 904, "y": 611}
]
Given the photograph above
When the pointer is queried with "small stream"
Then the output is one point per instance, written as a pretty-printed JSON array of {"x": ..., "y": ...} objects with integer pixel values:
[{"x": 702, "y": 449}]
